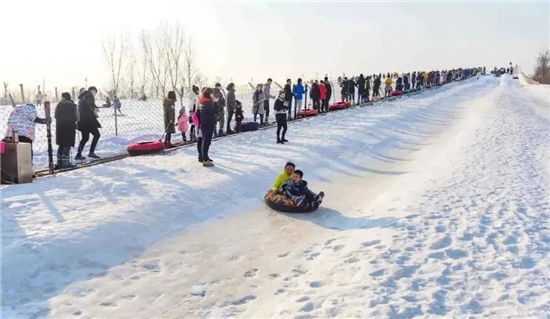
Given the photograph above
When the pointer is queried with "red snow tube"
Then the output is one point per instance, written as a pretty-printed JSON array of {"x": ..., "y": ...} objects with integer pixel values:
[
  {"x": 142, "y": 148},
  {"x": 308, "y": 112},
  {"x": 339, "y": 106},
  {"x": 396, "y": 93}
]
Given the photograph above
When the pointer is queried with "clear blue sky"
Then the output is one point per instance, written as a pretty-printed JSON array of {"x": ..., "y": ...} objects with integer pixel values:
[{"x": 61, "y": 40}]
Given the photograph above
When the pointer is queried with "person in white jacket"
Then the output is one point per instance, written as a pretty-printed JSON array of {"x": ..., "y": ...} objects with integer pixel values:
[
  {"x": 23, "y": 119},
  {"x": 38, "y": 97}
]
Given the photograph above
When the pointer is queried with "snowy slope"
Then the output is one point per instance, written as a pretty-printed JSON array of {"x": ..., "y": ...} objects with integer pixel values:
[{"x": 437, "y": 204}]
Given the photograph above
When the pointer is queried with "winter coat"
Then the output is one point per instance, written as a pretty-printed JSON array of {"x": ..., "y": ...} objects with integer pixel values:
[
  {"x": 220, "y": 100},
  {"x": 183, "y": 121},
  {"x": 87, "y": 112},
  {"x": 231, "y": 101},
  {"x": 288, "y": 93},
  {"x": 280, "y": 106},
  {"x": 314, "y": 94},
  {"x": 258, "y": 102},
  {"x": 208, "y": 113},
  {"x": 169, "y": 115},
  {"x": 66, "y": 116},
  {"x": 361, "y": 84},
  {"x": 281, "y": 179},
  {"x": 323, "y": 91},
  {"x": 267, "y": 92},
  {"x": 388, "y": 81},
  {"x": 329, "y": 90},
  {"x": 239, "y": 116},
  {"x": 22, "y": 118},
  {"x": 299, "y": 91},
  {"x": 294, "y": 189},
  {"x": 351, "y": 86}
]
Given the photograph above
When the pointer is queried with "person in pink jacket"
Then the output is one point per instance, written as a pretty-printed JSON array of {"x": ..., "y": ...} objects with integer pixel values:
[{"x": 323, "y": 91}]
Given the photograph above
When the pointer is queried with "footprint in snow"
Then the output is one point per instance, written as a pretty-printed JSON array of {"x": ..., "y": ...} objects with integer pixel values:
[
  {"x": 251, "y": 273},
  {"x": 370, "y": 243},
  {"x": 244, "y": 300},
  {"x": 315, "y": 284}
]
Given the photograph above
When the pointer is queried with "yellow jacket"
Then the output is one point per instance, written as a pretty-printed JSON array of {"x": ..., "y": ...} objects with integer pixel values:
[
  {"x": 388, "y": 81},
  {"x": 280, "y": 181}
]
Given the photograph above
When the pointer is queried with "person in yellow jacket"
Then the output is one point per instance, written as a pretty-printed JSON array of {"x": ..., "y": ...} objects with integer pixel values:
[
  {"x": 284, "y": 176},
  {"x": 389, "y": 88}
]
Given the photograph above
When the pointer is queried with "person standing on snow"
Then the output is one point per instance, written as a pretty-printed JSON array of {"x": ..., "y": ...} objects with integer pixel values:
[
  {"x": 389, "y": 88},
  {"x": 315, "y": 95},
  {"x": 329, "y": 92},
  {"x": 298, "y": 96},
  {"x": 376, "y": 87},
  {"x": 219, "y": 101},
  {"x": 231, "y": 101},
  {"x": 267, "y": 96},
  {"x": 288, "y": 96},
  {"x": 193, "y": 104},
  {"x": 323, "y": 95},
  {"x": 39, "y": 96},
  {"x": 361, "y": 88},
  {"x": 207, "y": 120},
  {"x": 406, "y": 81},
  {"x": 169, "y": 105},
  {"x": 88, "y": 123},
  {"x": 258, "y": 103},
  {"x": 345, "y": 89},
  {"x": 280, "y": 115},
  {"x": 23, "y": 119},
  {"x": 66, "y": 117}
]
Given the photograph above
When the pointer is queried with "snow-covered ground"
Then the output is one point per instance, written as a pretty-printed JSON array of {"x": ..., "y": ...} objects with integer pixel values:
[{"x": 436, "y": 205}]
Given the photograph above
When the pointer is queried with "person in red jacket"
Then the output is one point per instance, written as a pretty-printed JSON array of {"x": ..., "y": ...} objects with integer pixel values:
[{"x": 323, "y": 92}]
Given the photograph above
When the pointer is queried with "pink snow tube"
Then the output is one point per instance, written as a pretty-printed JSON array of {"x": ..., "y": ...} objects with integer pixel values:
[{"x": 396, "y": 93}]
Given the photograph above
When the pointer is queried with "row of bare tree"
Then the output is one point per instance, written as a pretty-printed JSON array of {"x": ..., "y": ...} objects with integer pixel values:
[
  {"x": 542, "y": 69},
  {"x": 153, "y": 62}
]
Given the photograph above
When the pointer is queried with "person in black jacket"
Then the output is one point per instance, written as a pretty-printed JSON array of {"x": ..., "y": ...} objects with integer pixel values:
[
  {"x": 315, "y": 95},
  {"x": 280, "y": 115},
  {"x": 239, "y": 116},
  {"x": 230, "y": 105},
  {"x": 361, "y": 88},
  {"x": 406, "y": 81},
  {"x": 376, "y": 86},
  {"x": 208, "y": 115},
  {"x": 88, "y": 122},
  {"x": 66, "y": 116},
  {"x": 288, "y": 97},
  {"x": 329, "y": 91},
  {"x": 351, "y": 88}
]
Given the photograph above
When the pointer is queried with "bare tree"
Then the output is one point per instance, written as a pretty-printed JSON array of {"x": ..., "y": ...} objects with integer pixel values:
[
  {"x": 191, "y": 69},
  {"x": 115, "y": 51},
  {"x": 542, "y": 69},
  {"x": 173, "y": 44},
  {"x": 156, "y": 61}
]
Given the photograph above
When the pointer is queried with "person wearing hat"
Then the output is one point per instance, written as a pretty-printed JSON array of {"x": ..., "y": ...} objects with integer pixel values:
[
  {"x": 66, "y": 117},
  {"x": 169, "y": 105},
  {"x": 88, "y": 123}
]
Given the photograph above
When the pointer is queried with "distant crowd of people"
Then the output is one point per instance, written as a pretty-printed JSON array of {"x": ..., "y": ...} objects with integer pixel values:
[{"x": 210, "y": 111}]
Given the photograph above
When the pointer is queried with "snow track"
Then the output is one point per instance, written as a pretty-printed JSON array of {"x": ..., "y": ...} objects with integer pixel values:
[{"x": 437, "y": 205}]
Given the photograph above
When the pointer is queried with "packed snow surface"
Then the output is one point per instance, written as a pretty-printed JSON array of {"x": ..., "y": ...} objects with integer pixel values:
[{"x": 436, "y": 205}]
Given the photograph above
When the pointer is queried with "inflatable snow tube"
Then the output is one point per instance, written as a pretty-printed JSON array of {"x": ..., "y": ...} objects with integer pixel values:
[
  {"x": 282, "y": 203},
  {"x": 339, "y": 106},
  {"x": 143, "y": 148},
  {"x": 249, "y": 126},
  {"x": 308, "y": 112},
  {"x": 396, "y": 93}
]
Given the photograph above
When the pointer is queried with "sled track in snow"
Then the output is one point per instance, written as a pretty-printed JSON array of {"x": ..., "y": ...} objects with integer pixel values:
[{"x": 45, "y": 172}]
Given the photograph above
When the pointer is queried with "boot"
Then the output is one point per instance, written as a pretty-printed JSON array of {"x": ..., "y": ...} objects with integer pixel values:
[
  {"x": 93, "y": 155},
  {"x": 79, "y": 157},
  {"x": 279, "y": 141},
  {"x": 66, "y": 162},
  {"x": 221, "y": 133},
  {"x": 207, "y": 164}
]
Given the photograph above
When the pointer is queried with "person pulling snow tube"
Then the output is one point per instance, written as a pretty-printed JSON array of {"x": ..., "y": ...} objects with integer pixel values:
[
  {"x": 143, "y": 148},
  {"x": 280, "y": 202},
  {"x": 339, "y": 106},
  {"x": 396, "y": 93},
  {"x": 249, "y": 126},
  {"x": 307, "y": 112}
]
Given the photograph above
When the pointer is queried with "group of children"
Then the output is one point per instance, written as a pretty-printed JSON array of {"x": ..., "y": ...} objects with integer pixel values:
[{"x": 291, "y": 184}]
